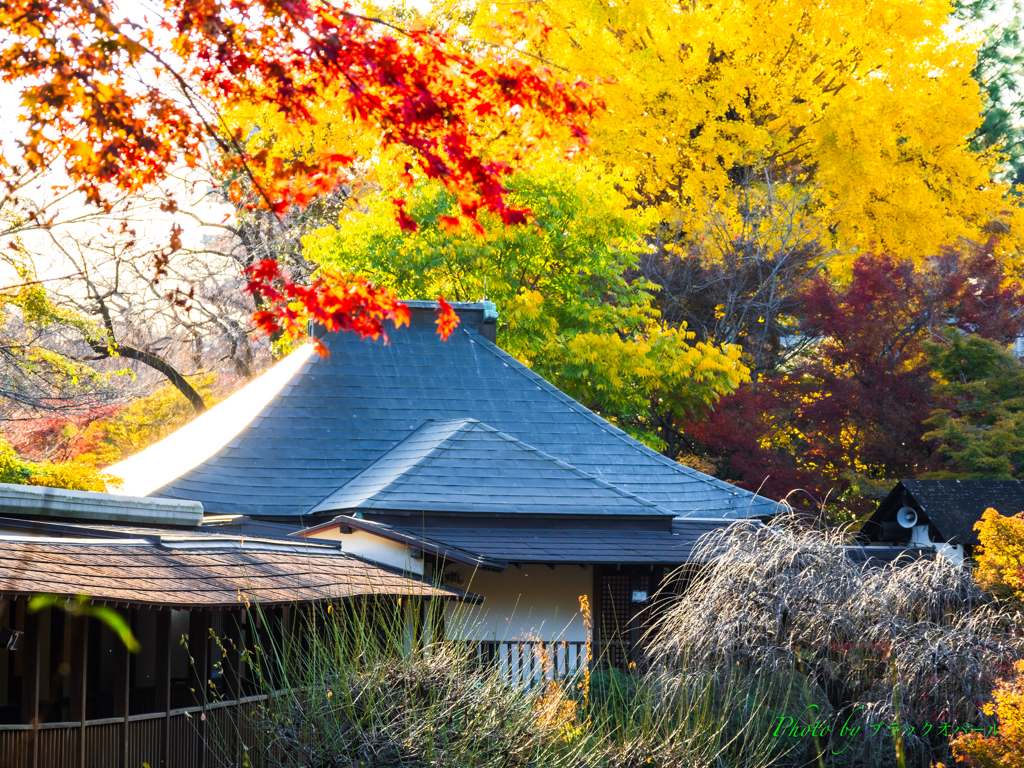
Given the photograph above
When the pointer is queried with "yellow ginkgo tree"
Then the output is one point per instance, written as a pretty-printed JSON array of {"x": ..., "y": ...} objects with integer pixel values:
[{"x": 867, "y": 105}]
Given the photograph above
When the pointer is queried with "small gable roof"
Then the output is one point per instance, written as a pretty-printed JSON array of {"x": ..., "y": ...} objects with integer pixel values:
[
  {"x": 330, "y": 418},
  {"x": 952, "y": 506},
  {"x": 464, "y": 466}
]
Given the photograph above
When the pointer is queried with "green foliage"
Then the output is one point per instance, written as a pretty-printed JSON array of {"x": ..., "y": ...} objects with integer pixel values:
[
  {"x": 1000, "y": 62},
  {"x": 982, "y": 428},
  {"x": 77, "y": 475},
  {"x": 42, "y": 372},
  {"x": 566, "y": 308}
]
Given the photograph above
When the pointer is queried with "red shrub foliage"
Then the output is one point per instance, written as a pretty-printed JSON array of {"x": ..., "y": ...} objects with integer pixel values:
[{"x": 849, "y": 412}]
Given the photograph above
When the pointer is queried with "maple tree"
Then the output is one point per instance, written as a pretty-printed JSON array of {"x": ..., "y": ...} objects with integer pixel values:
[
  {"x": 143, "y": 421},
  {"x": 79, "y": 475},
  {"x": 96, "y": 102},
  {"x": 1000, "y": 558},
  {"x": 861, "y": 105},
  {"x": 565, "y": 306},
  {"x": 848, "y": 416},
  {"x": 1003, "y": 748}
]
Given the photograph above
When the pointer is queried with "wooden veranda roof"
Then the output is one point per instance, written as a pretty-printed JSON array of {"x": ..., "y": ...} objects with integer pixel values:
[{"x": 136, "y": 573}]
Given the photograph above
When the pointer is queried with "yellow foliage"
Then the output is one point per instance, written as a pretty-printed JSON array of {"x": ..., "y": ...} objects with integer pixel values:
[
  {"x": 77, "y": 475},
  {"x": 557, "y": 711},
  {"x": 1000, "y": 570},
  {"x": 865, "y": 105},
  {"x": 1004, "y": 749},
  {"x": 144, "y": 421},
  {"x": 1001, "y": 555}
]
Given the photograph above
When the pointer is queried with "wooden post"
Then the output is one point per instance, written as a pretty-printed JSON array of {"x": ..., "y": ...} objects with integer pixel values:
[
  {"x": 122, "y": 689},
  {"x": 199, "y": 650},
  {"x": 233, "y": 643},
  {"x": 163, "y": 682},
  {"x": 634, "y": 618},
  {"x": 261, "y": 620},
  {"x": 30, "y": 680},
  {"x": 288, "y": 628},
  {"x": 78, "y": 646},
  {"x": 596, "y": 625}
]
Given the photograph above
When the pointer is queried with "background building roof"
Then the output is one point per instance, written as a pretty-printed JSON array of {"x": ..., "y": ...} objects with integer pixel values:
[{"x": 951, "y": 506}]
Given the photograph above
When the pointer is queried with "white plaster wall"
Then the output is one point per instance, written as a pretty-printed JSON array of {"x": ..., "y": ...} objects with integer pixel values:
[
  {"x": 373, "y": 548},
  {"x": 532, "y": 603}
]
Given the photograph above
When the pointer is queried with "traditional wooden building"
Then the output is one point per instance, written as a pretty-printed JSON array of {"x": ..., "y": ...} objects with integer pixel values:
[
  {"x": 72, "y": 696},
  {"x": 453, "y": 461}
]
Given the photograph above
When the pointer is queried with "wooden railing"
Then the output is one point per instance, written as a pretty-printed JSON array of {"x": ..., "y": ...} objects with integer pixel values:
[
  {"x": 194, "y": 735},
  {"x": 531, "y": 662}
]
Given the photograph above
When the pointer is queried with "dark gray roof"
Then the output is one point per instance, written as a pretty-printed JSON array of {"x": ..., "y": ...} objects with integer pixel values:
[
  {"x": 572, "y": 545},
  {"x": 951, "y": 506},
  {"x": 337, "y": 415},
  {"x": 878, "y": 556},
  {"x": 464, "y": 466}
]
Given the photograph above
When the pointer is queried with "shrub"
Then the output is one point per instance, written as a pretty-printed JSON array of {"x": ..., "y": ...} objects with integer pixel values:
[
  {"x": 1005, "y": 747},
  {"x": 883, "y": 652}
]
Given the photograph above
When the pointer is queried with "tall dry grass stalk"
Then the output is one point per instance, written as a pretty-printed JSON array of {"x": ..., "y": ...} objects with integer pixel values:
[
  {"x": 372, "y": 684},
  {"x": 886, "y": 650},
  {"x": 366, "y": 688}
]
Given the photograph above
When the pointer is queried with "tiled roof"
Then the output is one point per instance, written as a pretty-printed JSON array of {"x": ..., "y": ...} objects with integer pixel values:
[
  {"x": 579, "y": 542},
  {"x": 337, "y": 415},
  {"x": 468, "y": 467},
  {"x": 132, "y": 572}
]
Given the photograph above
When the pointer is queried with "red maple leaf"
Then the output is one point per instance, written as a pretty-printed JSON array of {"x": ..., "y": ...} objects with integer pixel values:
[
  {"x": 77, "y": 68},
  {"x": 447, "y": 320}
]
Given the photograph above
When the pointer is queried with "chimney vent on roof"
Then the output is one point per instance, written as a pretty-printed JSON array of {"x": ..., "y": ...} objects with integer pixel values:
[
  {"x": 489, "y": 328},
  {"x": 481, "y": 316}
]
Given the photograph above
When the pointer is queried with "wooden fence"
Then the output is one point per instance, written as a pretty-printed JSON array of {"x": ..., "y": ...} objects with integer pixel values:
[
  {"x": 190, "y": 737},
  {"x": 219, "y": 733}
]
